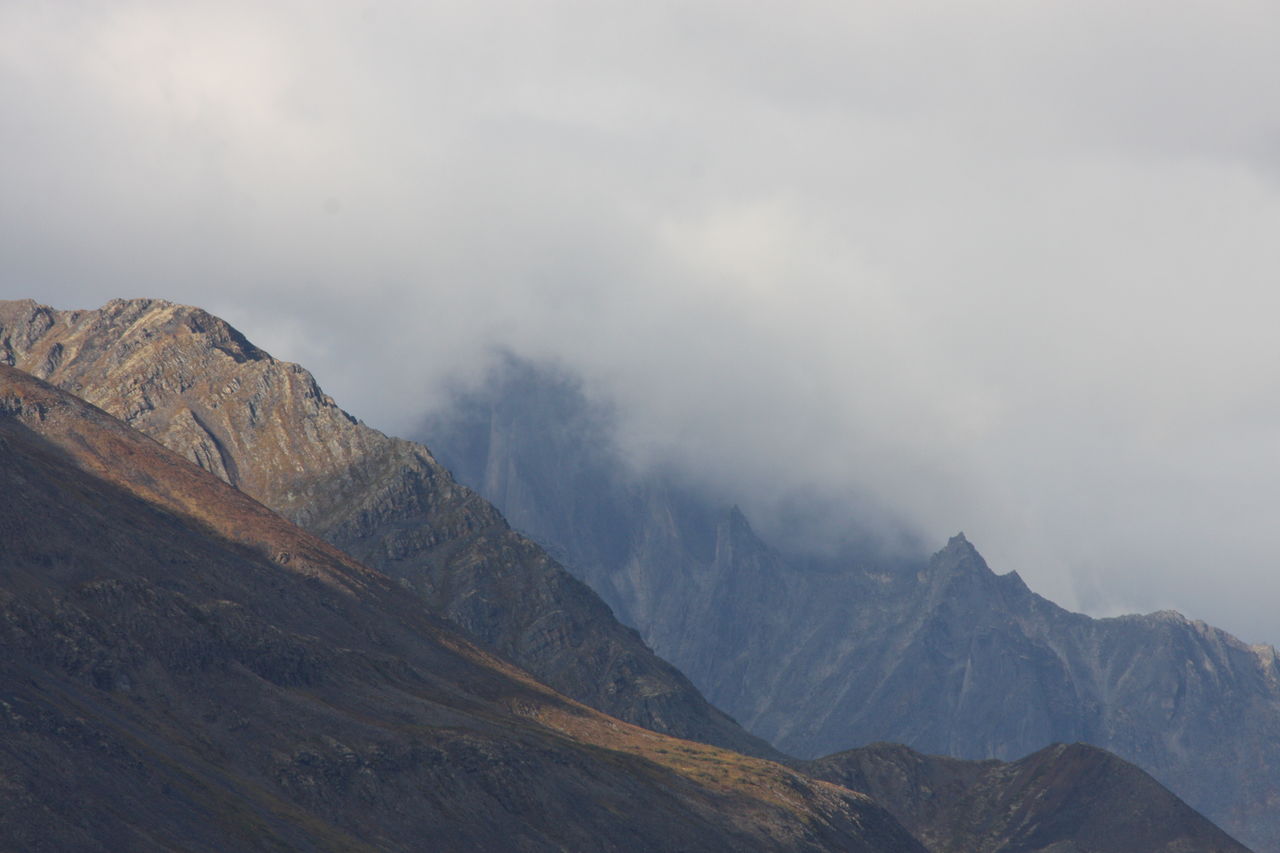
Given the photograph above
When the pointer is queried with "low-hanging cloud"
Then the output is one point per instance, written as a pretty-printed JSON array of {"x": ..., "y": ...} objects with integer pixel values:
[{"x": 1008, "y": 268}]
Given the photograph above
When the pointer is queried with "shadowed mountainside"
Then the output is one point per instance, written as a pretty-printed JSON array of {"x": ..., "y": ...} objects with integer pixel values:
[
  {"x": 817, "y": 655},
  {"x": 1062, "y": 799},
  {"x": 184, "y": 669},
  {"x": 199, "y": 387}
]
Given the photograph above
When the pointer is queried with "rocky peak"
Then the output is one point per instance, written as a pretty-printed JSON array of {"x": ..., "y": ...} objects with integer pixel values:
[
  {"x": 958, "y": 569},
  {"x": 193, "y": 383},
  {"x": 960, "y": 555}
]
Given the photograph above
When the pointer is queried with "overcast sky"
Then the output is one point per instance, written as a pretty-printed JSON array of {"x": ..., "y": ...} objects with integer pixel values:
[{"x": 1009, "y": 268}]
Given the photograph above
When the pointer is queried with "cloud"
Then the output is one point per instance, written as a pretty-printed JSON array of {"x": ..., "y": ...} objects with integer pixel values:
[{"x": 998, "y": 267}]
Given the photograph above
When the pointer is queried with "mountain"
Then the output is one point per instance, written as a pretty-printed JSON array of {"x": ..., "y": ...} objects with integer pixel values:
[
  {"x": 196, "y": 385},
  {"x": 241, "y": 710},
  {"x": 184, "y": 669},
  {"x": 1063, "y": 799},
  {"x": 820, "y": 654}
]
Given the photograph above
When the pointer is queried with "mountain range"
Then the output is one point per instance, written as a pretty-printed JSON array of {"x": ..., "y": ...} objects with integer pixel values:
[
  {"x": 255, "y": 684},
  {"x": 819, "y": 653},
  {"x": 1065, "y": 797}
]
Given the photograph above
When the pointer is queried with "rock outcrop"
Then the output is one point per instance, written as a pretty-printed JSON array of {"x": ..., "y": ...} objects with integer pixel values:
[{"x": 198, "y": 386}]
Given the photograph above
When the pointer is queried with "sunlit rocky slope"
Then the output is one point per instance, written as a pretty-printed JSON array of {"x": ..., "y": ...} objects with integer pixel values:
[
  {"x": 195, "y": 384},
  {"x": 184, "y": 669}
]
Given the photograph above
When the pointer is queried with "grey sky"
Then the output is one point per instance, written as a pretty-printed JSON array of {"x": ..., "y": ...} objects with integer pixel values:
[{"x": 1008, "y": 267}]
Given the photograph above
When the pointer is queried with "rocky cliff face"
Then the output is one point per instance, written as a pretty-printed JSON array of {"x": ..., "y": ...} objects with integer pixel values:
[
  {"x": 938, "y": 653},
  {"x": 183, "y": 669},
  {"x": 196, "y": 385},
  {"x": 1062, "y": 799}
]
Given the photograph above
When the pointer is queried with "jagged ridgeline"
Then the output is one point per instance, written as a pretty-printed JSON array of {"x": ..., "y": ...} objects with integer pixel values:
[{"x": 817, "y": 655}]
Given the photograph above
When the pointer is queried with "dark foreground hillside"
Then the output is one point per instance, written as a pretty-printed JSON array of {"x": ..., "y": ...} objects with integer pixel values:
[
  {"x": 183, "y": 669},
  {"x": 1063, "y": 799}
]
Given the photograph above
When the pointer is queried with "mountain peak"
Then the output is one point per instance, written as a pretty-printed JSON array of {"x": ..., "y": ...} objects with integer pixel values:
[
  {"x": 194, "y": 383},
  {"x": 959, "y": 556}
]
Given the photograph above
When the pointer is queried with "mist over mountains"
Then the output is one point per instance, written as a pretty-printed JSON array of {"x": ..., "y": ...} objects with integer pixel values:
[
  {"x": 138, "y": 588},
  {"x": 815, "y": 285},
  {"x": 815, "y": 652},
  {"x": 530, "y": 425},
  {"x": 1002, "y": 269}
]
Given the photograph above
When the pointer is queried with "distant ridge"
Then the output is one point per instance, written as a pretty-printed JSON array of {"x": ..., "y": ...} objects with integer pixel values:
[{"x": 817, "y": 655}]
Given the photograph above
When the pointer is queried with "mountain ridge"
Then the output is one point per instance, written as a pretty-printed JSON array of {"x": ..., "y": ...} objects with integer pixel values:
[
  {"x": 131, "y": 369},
  {"x": 1065, "y": 798},
  {"x": 818, "y": 654},
  {"x": 192, "y": 382},
  {"x": 185, "y": 669}
]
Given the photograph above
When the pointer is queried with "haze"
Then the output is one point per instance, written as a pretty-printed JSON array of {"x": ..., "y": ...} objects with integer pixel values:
[{"x": 997, "y": 267}]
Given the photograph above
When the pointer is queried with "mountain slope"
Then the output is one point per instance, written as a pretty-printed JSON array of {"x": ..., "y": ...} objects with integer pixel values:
[
  {"x": 113, "y": 614},
  {"x": 1063, "y": 799},
  {"x": 817, "y": 655},
  {"x": 195, "y": 384},
  {"x": 183, "y": 669}
]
